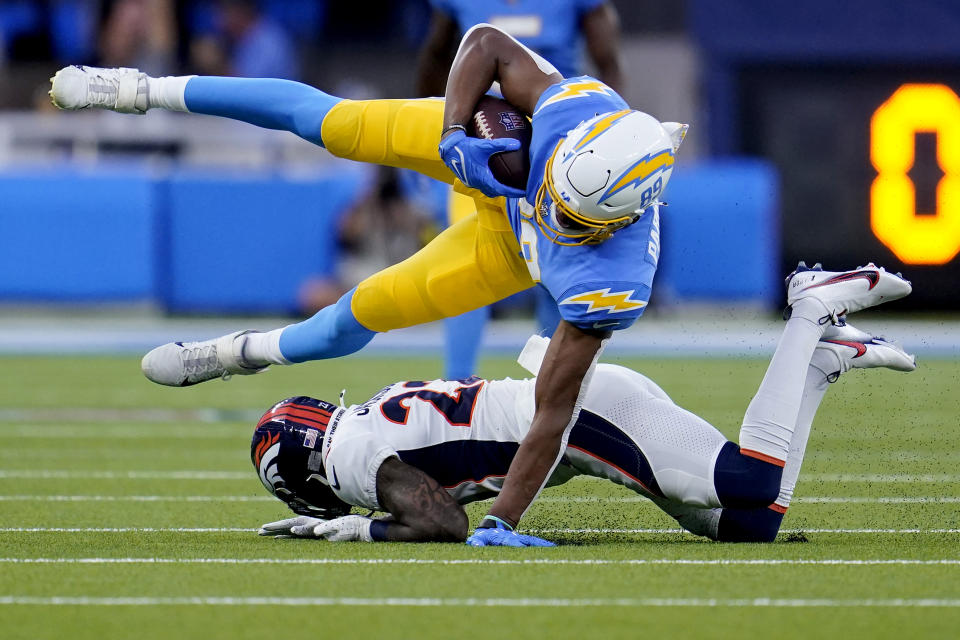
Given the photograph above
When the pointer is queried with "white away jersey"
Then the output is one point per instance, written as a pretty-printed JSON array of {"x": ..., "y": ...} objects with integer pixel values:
[{"x": 462, "y": 433}]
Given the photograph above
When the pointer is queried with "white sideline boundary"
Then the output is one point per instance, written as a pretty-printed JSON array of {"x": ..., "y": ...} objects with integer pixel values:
[
  {"x": 725, "y": 562},
  {"x": 546, "y": 499},
  {"x": 536, "y": 531},
  {"x": 477, "y": 602},
  {"x": 723, "y": 332}
]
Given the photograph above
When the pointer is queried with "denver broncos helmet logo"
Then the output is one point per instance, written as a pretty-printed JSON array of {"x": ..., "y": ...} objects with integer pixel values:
[{"x": 265, "y": 456}]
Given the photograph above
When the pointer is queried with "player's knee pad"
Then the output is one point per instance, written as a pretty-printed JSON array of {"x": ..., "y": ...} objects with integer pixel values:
[
  {"x": 745, "y": 482},
  {"x": 395, "y": 133},
  {"x": 749, "y": 525}
]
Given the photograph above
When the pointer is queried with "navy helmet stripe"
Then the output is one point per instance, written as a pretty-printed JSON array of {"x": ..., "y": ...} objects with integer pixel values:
[
  {"x": 459, "y": 461},
  {"x": 601, "y": 439}
]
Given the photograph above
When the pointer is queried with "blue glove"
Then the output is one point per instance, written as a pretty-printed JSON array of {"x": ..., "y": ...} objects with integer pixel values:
[
  {"x": 494, "y": 532},
  {"x": 469, "y": 160}
]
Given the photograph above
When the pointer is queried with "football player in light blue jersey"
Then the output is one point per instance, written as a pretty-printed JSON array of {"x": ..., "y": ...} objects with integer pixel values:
[
  {"x": 555, "y": 29},
  {"x": 597, "y": 284},
  {"x": 586, "y": 226}
]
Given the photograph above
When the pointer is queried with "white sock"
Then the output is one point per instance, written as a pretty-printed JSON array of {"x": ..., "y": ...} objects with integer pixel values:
[
  {"x": 813, "y": 391},
  {"x": 260, "y": 349},
  {"x": 769, "y": 422},
  {"x": 167, "y": 92}
]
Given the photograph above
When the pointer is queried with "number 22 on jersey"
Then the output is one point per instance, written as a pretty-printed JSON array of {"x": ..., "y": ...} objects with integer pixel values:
[{"x": 456, "y": 407}]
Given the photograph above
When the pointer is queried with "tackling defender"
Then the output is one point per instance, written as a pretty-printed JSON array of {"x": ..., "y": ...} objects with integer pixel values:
[
  {"x": 587, "y": 227},
  {"x": 420, "y": 450}
]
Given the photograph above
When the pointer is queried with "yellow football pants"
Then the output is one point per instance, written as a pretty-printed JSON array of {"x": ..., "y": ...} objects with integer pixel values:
[{"x": 473, "y": 263}]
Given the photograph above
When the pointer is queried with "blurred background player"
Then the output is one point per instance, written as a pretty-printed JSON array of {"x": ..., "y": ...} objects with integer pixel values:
[
  {"x": 557, "y": 30},
  {"x": 243, "y": 40},
  {"x": 419, "y": 450}
]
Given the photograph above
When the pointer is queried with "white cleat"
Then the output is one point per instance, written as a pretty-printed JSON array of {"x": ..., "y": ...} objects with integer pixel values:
[
  {"x": 78, "y": 87},
  {"x": 844, "y": 292},
  {"x": 181, "y": 364},
  {"x": 856, "y": 349}
]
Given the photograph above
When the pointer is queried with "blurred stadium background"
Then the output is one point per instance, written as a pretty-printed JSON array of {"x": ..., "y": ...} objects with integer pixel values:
[{"x": 121, "y": 232}]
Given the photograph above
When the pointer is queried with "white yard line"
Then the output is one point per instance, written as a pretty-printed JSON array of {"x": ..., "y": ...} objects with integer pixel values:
[
  {"x": 201, "y": 474},
  {"x": 537, "y": 531},
  {"x": 907, "y": 478},
  {"x": 801, "y": 500},
  {"x": 479, "y": 602},
  {"x": 876, "y": 499},
  {"x": 127, "y": 530},
  {"x": 93, "y": 498},
  {"x": 488, "y": 561},
  {"x": 55, "y": 474},
  {"x": 546, "y": 499},
  {"x": 843, "y": 531},
  {"x": 97, "y": 416}
]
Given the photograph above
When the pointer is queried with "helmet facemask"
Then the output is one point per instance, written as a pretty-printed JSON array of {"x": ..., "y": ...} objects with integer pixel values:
[{"x": 604, "y": 175}]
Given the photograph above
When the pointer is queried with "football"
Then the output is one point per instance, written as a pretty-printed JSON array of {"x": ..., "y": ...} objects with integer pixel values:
[{"x": 497, "y": 118}]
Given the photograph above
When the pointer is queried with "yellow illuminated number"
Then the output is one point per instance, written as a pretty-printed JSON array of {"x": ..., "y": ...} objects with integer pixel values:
[{"x": 926, "y": 239}]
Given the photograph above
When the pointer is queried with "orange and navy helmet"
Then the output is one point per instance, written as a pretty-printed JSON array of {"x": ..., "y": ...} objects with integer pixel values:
[{"x": 286, "y": 451}]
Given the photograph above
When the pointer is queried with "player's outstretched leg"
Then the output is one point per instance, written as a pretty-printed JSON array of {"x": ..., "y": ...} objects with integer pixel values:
[
  {"x": 841, "y": 349},
  {"x": 816, "y": 299},
  {"x": 394, "y": 133},
  {"x": 332, "y": 332},
  {"x": 265, "y": 102},
  {"x": 749, "y": 476}
]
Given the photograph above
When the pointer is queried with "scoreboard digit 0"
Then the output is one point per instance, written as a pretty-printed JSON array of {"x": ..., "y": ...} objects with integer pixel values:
[
  {"x": 868, "y": 157},
  {"x": 916, "y": 239}
]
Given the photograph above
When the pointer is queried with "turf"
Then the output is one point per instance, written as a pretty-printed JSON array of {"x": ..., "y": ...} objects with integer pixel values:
[{"x": 85, "y": 447}]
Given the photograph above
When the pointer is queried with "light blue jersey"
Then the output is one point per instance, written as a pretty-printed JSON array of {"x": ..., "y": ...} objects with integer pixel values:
[
  {"x": 549, "y": 27},
  {"x": 597, "y": 286}
]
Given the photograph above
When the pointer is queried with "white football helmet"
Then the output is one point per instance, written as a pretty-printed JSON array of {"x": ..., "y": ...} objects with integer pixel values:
[{"x": 605, "y": 173}]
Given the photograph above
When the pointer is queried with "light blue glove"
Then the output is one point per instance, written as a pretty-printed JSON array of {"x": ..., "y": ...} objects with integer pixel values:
[
  {"x": 494, "y": 532},
  {"x": 469, "y": 159}
]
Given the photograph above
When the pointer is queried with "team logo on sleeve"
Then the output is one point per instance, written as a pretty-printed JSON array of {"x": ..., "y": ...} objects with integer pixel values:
[
  {"x": 577, "y": 89},
  {"x": 606, "y": 300}
]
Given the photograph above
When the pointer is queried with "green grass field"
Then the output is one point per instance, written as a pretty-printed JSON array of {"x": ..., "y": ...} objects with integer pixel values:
[{"x": 93, "y": 448}]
